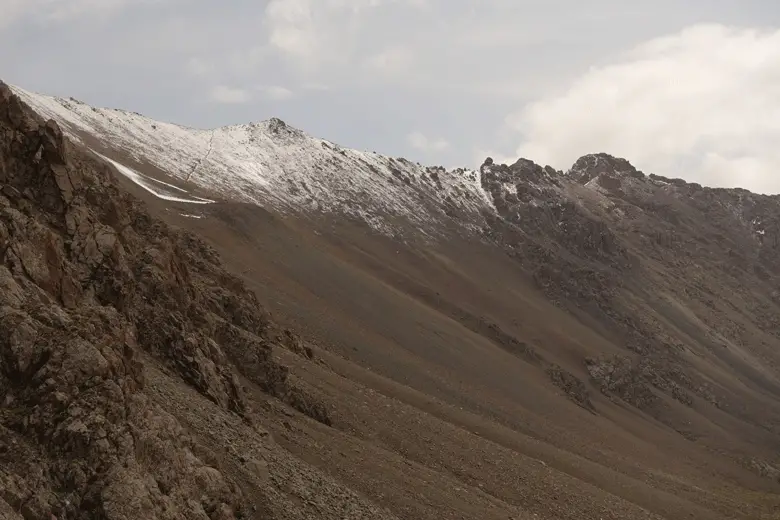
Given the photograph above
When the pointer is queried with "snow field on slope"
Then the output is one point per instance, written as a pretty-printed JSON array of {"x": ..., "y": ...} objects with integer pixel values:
[{"x": 274, "y": 165}]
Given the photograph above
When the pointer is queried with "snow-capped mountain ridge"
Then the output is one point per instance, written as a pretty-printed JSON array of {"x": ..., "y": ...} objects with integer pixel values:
[
  {"x": 277, "y": 166},
  {"x": 273, "y": 164}
]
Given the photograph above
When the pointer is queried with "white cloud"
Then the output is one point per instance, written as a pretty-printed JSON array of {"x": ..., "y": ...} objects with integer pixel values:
[
  {"x": 316, "y": 87},
  {"x": 392, "y": 61},
  {"x": 13, "y": 10},
  {"x": 291, "y": 27},
  {"x": 277, "y": 92},
  {"x": 230, "y": 95},
  {"x": 703, "y": 104},
  {"x": 237, "y": 95},
  {"x": 60, "y": 11},
  {"x": 318, "y": 33},
  {"x": 199, "y": 67},
  {"x": 421, "y": 142}
]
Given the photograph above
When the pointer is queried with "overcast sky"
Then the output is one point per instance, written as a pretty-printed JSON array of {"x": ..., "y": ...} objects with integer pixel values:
[{"x": 683, "y": 88}]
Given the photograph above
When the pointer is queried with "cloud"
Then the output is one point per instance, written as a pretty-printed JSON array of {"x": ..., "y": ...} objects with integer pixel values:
[
  {"x": 702, "y": 104},
  {"x": 61, "y": 11},
  {"x": 315, "y": 87},
  {"x": 230, "y": 95},
  {"x": 235, "y": 95},
  {"x": 291, "y": 27},
  {"x": 318, "y": 33},
  {"x": 392, "y": 61},
  {"x": 13, "y": 10},
  {"x": 276, "y": 92},
  {"x": 198, "y": 67},
  {"x": 313, "y": 32},
  {"x": 421, "y": 142}
]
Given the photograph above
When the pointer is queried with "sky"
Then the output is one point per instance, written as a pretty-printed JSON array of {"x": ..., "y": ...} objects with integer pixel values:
[{"x": 687, "y": 89}]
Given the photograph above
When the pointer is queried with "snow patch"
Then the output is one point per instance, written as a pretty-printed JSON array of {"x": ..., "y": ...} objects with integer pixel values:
[{"x": 147, "y": 183}]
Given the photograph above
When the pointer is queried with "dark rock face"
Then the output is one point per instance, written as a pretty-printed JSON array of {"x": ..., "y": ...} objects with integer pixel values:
[
  {"x": 89, "y": 282},
  {"x": 573, "y": 255},
  {"x": 588, "y": 167},
  {"x": 637, "y": 253},
  {"x": 530, "y": 197},
  {"x": 618, "y": 377},
  {"x": 571, "y": 385},
  {"x": 282, "y": 130}
]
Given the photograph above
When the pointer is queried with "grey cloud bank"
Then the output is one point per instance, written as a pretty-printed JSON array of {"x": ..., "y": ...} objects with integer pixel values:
[{"x": 688, "y": 91}]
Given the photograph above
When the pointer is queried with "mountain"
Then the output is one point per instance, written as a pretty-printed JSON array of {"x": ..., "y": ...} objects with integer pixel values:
[
  {"x": 271, "y": 164},
  {"x": 250, "y": 322}
]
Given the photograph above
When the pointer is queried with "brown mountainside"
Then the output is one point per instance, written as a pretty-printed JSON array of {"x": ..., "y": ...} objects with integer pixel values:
[{"x": 595, "y": 344}]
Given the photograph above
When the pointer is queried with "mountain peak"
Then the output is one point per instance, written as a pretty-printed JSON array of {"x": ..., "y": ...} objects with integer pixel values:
[
  {"x": 269, "y": 163},
  {"x": 273, "y": 127},
  {"x": 589, "y": 166},
  {"x": 523, "y": 170}
]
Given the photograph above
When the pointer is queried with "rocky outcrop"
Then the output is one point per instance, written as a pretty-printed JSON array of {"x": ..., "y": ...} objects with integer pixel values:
[
  {"x": 618, "y": 377},
  {"x": 589, "y": 167},
  {"x": 90, "y": 284},
  {"x": 571, "y": 385},
  {"x": 600, "y": 239}
]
